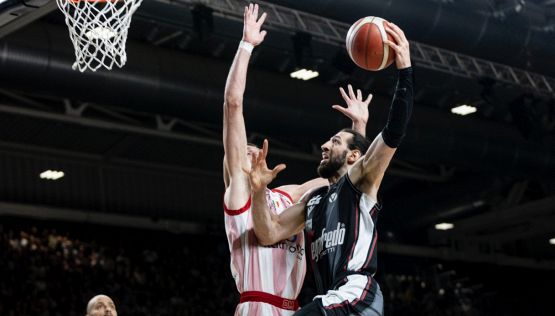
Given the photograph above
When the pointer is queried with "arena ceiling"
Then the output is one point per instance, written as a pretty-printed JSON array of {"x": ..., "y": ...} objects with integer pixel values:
[{"x": 146, "y": 140}]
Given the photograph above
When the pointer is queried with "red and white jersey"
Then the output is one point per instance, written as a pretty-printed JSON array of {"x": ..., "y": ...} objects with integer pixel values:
[{"x": 278, "y": 269}]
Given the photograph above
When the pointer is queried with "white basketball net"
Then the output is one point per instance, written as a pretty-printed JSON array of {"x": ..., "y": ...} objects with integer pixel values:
[{"x": 98, "y": 30}]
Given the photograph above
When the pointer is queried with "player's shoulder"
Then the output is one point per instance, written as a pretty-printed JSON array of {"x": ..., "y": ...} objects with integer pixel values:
[
  {"x": 319, "y": 191},
  {"x": 284, "y": 192}
]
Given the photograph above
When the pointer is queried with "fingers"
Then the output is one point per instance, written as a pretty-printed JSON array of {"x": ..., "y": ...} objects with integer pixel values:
[
  {"x": 351, "y": 95},
  {"x": 251, "y": 12},
  {"x": 255, "y": 12},
  {"x": 397, "y": 34},
  {"x": 341, "y": 109},
  {"x": 344, "y": 94},
  {"x": 368, "y": 99},
  {"x": 264, "y": 153},
  {"x": 279, "y": 168},
  {"x": 351, "y": 92},
  {"x": 262, "y": 157},
  {"x": 262, "y": 18},
  {"x": 397, "y": 29},
  {"x": 263, "y": 34},
  {"x": 247, "y": 14},
  {"x": 396, "y": 41},
  {"x": 392, "y": 45},
  {"x": 393, "y": 34}
]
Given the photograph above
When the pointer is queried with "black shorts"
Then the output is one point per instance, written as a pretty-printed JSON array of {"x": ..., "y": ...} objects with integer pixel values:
[{"x": 360, "y": 295}]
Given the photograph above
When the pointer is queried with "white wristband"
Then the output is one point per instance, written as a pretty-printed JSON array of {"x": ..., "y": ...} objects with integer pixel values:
[{"x": 246, "y": 46}]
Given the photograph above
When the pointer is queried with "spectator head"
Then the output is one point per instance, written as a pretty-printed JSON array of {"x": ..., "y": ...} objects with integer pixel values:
[{"x": 101, "y": 305}]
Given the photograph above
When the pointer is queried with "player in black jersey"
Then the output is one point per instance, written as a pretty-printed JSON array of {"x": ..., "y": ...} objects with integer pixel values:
[{"x": 340, "y": 220}]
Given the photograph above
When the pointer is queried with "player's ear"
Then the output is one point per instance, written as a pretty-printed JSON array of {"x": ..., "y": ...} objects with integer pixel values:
[{"x": 353, "y": 156}]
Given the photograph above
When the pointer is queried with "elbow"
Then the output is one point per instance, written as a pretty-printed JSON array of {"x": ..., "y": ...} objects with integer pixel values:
[
  {"x": 265, "y": 238},
  {"x": 392, "y": 138},
  {"x": 266, "y": 242},
  {"x": 233, "y": 101}
]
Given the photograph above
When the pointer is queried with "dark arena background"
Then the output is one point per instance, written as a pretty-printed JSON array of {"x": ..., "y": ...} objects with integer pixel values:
[{"x": 138, "y": 212}]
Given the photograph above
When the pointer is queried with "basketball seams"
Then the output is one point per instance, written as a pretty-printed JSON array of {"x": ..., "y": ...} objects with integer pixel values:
[
  {"x": 381, "y": 28},
  {"x": 350, "y": 35},
  {"x": 353, "y": 32},
  {"x": 366, "y": 40}
]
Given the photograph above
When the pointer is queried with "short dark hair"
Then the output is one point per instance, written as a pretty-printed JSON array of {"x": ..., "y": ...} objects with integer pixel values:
[{"x": 357, "y": 141}]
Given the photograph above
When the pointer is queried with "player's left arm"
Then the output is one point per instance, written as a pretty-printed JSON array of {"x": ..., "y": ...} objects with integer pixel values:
[{"x": 368, "y": 172}]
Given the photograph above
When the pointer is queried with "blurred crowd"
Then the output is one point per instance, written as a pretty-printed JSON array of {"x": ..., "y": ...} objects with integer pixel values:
[
  {"x": 49, "y": 272},
  {"x": 46, "y": 273}
]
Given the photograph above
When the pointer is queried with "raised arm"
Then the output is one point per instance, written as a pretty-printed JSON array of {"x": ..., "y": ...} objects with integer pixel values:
[
  {"x": 271, "y": 228},
  {"x": 234, "y": 133},
  {"x": 356, "y": 110},
  {"x": 367, "y": 173}
]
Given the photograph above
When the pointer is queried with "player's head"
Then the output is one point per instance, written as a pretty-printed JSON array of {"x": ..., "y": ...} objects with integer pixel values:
[
  {"x": 341, "y": 151},
  {"x": 101, "y": 305},
  {"x": 251, "y": 149}
]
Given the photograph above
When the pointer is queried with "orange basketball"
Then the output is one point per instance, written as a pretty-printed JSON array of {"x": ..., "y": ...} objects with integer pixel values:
[{"x": 365, "y": 44}]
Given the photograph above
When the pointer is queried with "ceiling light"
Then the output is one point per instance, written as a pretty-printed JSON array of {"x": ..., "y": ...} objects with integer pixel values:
[
  {"x": 463, "y": 109},
  {"x": 51, "y": 175},
  {"x": 444, "y": 226},
  {"x": 304, "y": 74},
  {"x": 552, "y": 241}
]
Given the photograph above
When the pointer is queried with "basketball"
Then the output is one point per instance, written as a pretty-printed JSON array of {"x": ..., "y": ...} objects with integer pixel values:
[{"x": 365, "y": 44}]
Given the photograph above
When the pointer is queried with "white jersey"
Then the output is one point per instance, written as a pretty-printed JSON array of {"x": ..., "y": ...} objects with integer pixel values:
[{"x": 278, "y": 269}]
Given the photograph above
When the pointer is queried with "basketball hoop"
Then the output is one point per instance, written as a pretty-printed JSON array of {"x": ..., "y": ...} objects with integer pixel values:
[{"x": 98, "y": 30}]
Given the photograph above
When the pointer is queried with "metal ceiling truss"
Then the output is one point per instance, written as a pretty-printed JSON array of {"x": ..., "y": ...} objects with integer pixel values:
[
  {"x": 42, "y": 212},
  {"x": 466, "y": 255},
  {"x": 509, "y": 223},
  {"x": 87, "y": 114},
  {"x": 333, "y": 32},
  {"x": 30, "y": 14}
]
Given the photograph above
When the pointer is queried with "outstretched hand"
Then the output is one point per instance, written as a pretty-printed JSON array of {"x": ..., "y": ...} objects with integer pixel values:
[
  {"x": 260, "y": 175},
  {"x": 252, "y": 24},
  {"x": 357, "y": 108},
  {"x": 400, "y": 45}
]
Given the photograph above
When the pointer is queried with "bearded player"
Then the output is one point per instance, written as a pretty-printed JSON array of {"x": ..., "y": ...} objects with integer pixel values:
[{"x": 270, "y": 277}]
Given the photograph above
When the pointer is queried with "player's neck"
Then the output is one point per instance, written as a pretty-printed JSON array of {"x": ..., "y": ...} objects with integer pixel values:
[{"x": 333, "y": 179}]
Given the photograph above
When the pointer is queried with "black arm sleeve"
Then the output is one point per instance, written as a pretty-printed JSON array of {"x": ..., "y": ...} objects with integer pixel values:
[{"x": 400, "y": 110}]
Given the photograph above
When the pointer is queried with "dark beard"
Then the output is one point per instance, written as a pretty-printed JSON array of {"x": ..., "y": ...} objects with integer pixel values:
[{"x": 330, "y": 168}]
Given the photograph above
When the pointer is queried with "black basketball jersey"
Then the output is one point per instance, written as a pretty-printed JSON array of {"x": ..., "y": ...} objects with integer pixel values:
[{"x": 341, "y": 234}]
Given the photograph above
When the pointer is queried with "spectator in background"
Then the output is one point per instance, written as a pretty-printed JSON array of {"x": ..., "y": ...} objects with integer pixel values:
[{"x": 101, "y": 305}]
